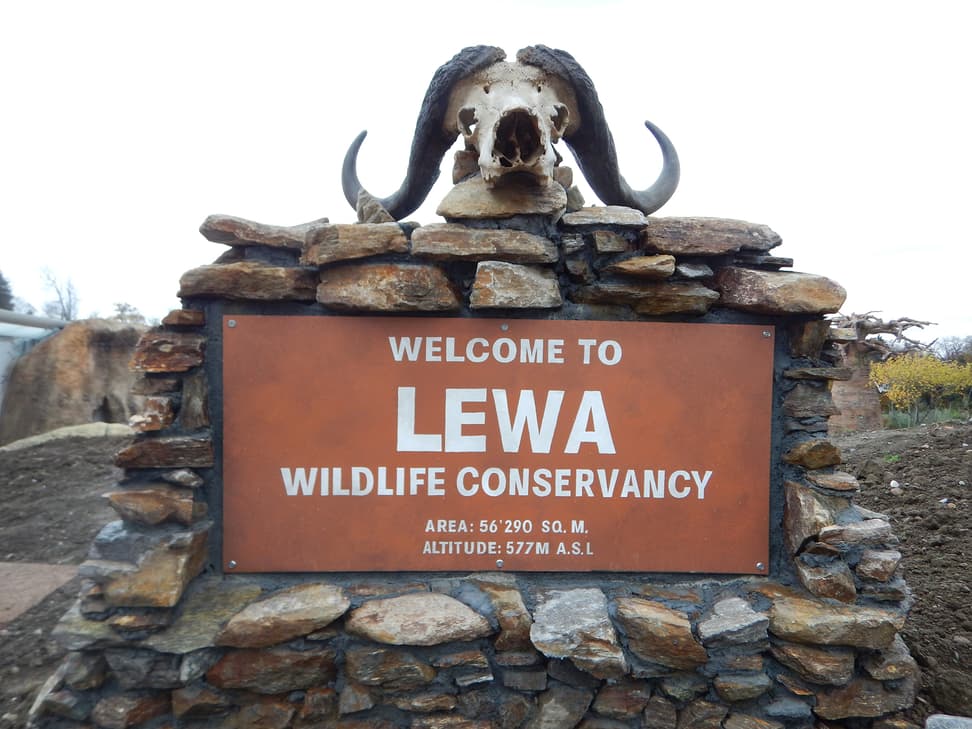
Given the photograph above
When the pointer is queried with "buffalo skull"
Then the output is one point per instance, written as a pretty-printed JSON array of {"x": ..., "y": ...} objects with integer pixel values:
[{"x": 511, "y": 115}]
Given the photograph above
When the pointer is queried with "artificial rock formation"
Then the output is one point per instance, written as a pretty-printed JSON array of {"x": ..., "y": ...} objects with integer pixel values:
[{"x": 78, "y": 375}]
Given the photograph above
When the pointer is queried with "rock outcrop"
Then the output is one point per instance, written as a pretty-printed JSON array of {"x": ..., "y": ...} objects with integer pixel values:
[{"x": 79, "y": 375}]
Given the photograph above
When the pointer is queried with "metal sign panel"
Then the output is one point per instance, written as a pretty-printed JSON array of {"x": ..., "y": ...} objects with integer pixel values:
[{"x": 388, "y": 444}]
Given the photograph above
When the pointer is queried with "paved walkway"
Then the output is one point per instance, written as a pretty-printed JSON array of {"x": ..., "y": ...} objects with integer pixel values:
[{"x": 24, "y": 584}]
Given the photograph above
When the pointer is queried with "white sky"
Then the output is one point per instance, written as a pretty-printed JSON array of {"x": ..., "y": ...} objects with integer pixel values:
[{"x": 845, "y": 126}]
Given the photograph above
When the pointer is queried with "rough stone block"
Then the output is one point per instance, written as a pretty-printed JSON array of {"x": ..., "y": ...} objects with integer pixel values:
[
  {"x": 813, "y": 454},
  {"x": 559, "y": 707},
  {"x": 864, "y": 697},
  {"x": 650, "y": 298},
  {"x": 500, "y": 285},
  {"x": 511, "y": 614},
  {"x": 778, "y": 292},
  {"x": 121, "y": 711},
  {"x": 807, "y": 401},
  {"x": 623, "y": 700},
  {"x": 647, "y": 267},
  {"x": 169, "y": 452},
  {"x": 332, "y": 243},
  {"x": 161, "y": 351},
  {"x": 833, "y": 579},
  {"x": 157, "y": 504},
  {"x": 706, "y": 236},
  {"x": 472, "y": 200},
  {"x": 163, "y": 572},
  {"x": 732, "y": 622},
  {"x": 607, "y": 241},
  {"x": 878, "y": 564},
  {"x": 616, "y": 215},
  {"x": 273, "y": 670},
  {"x": 575, "y": 624},
  {"x": 391, "y": 669},
  {"x": 805, "y": 514},
  {"x": 417, "y": 619},
  {"x": 659, "y": 634},
  {"x": 820, "y": 665},
  {"x": 184, "y": 318},
  {"x": 386, "y": 287},
  {"x": 448, "y": 242},
  {"x": 157, "y": 413},
  {"x": 813, "y": 622},
  {"x": 241, "y": 232},
  {"x": 742, "y": 687},
  {"x": 249, "y": 281},
  {"x": 285, "y": 615}
]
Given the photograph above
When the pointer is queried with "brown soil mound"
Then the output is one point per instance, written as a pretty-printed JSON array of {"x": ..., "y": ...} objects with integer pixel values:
[{"x": 931, "y": 513}]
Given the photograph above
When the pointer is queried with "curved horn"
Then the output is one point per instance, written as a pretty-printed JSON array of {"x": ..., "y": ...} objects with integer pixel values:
[
  {"x": 431, "y": 140},
  {"x": 592, "y": 143}
]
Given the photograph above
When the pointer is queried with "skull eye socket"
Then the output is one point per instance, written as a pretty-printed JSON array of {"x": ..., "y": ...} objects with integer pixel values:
[{"x": 467, "y": 120}]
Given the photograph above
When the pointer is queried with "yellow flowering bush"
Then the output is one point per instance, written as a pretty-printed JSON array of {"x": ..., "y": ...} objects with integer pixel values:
[{"x": 915, "y": 381}]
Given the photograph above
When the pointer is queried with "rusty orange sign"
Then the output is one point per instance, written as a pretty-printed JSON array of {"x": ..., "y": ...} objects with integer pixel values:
[{"x": 423, "y": 444}]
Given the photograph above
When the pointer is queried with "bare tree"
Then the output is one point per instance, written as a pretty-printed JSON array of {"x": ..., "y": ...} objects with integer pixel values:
[
  {"x": 129, "y": 314},
  {"x": 881, "y": 337},
  {"x": 65, "y": 305},
  {"x": 958, "y": 349}
]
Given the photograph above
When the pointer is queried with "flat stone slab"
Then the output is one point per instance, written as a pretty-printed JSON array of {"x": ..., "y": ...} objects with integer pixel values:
[
  {"x": 472, "y": 200},
  {"x": 945, "y": 721},
  {"x": 27, "y": 583},
  {"x": 607, "y": 215}
]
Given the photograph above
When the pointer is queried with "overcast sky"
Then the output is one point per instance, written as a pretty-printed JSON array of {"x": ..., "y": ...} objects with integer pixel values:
[{"x": 844, "y": 126}]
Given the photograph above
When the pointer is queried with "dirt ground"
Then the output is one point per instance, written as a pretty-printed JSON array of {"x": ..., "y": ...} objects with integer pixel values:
[
  {"x": 930, "y": 509},
  {"x": 52, "y": 508}
]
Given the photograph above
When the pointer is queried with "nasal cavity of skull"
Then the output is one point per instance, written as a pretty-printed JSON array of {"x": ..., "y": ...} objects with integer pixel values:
[
  {"x": 467, "y": 120},
  {"x": 559, "y": 118},
  {"x": 517, "y": 139}
]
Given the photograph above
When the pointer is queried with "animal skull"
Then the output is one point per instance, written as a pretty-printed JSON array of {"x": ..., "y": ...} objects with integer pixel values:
[{"x": 512, "y": 115}]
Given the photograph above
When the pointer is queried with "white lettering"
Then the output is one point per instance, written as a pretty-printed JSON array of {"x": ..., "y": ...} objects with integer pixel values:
[
  {"x": 408, "y": 439},
  {"x": 702, "y": 482},
  {"x": 362, "y": 481},
  {"x": 456, "y": 418},
  {"x": 591, "y": 409},
  {"x": 406, "y": 347},
  {"x": 300, "y": 480},
  {"x": 433, "y": 349},
  {"x": 673, "y": 489},
  {"x": 656, "y": 487},
  {"x": 483, "y": 353},
  {"x": 541, "y": 434}
]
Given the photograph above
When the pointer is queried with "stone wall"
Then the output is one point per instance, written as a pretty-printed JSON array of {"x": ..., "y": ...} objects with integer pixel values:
[{"x": 161, "y": 636}]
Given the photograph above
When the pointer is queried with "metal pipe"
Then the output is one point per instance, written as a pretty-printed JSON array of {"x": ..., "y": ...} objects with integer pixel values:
[{"x": 29, "y": 320}]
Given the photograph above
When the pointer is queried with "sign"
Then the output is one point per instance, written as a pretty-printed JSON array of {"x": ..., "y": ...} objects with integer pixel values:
[{"x": 424, "y": 444}]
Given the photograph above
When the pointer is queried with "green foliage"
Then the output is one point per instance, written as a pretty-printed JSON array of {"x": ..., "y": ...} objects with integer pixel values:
[
  {"x": 892, "y": 458},
  {"x": 919, "y": 383},
  {"x": 6, "y": 295}
]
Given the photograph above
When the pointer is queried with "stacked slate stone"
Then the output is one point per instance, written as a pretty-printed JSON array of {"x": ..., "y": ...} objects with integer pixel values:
[{"x": 161, "y": 636}]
